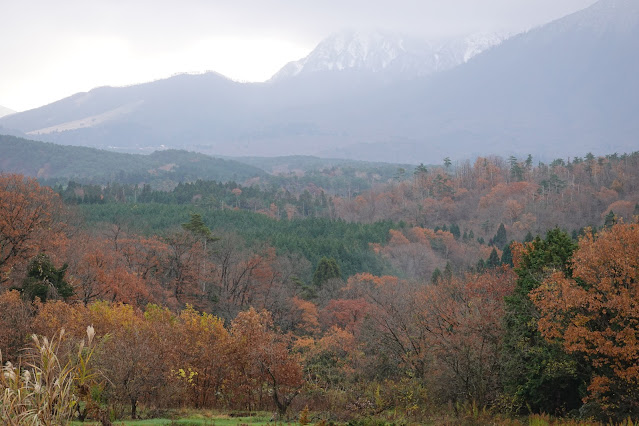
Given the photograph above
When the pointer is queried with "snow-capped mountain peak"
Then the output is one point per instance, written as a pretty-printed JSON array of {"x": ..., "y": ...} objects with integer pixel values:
[{"x": 385, "y": 52}]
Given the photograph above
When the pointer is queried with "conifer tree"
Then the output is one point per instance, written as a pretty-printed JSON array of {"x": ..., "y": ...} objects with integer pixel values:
[
  {"x": 536, "y": 373},
  {"x": 327, "y": 269},
  {"x": 493, "y": 259},
  {"x": 45, "y": 281},
  {"x": 500, "y": 238}
]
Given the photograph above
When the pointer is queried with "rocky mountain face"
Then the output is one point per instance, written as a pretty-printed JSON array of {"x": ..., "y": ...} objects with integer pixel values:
[{"x": 559, "y": 90}]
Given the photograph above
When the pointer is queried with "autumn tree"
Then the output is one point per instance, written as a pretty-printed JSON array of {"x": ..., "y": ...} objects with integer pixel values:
[
  {"x": 462, "y": 322},
  {"x": 262, "y": 357},
  {"x": 29, "y": 221},
  {"x": 99, "y": 271},
  {"x": 594, "y": 314},
  {"x": 15, "y": 324},
  {"x": 131, "y": 358},
  {"x": 391, "y": 326},
  {"x": 183, "y": 274},
  {"x": 198, "y": 346}
]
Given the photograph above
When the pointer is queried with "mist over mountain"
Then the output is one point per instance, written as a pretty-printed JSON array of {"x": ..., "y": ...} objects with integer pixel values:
[
  {"x": 5, "y": 111},
  {"x": 566, "y": 88},
  {"x": 389, "y": 55}
]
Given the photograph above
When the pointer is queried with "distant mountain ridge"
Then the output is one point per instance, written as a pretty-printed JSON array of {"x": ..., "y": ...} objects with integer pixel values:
[
  {"x": 399, "y": 55},
  {"x": 5, "y": 111},
  {"x": 57, "y": 162},
  {"x": 563, "y": 89}
]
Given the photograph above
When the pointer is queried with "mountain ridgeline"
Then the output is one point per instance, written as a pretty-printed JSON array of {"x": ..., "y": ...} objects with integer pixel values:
[
  {"x": 568, "y": 86},
  {"x": 5, "y": 111},
  {"x": 57, "y": 164},
  {"x": 52, "y": 163}
]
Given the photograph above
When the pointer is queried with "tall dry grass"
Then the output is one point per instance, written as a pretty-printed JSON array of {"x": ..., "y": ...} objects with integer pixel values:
[{"x": 42, "y": 391}]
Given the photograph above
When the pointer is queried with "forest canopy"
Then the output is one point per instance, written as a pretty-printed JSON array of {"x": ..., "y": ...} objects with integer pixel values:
[{"x": 499, "y": 285}]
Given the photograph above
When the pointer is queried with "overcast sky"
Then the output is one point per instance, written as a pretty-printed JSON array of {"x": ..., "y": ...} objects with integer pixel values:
[{"x": 50, "y": 49}]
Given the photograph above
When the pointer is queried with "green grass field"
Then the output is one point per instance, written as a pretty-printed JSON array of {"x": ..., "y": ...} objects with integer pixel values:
[{"x": 199, "y": 419}]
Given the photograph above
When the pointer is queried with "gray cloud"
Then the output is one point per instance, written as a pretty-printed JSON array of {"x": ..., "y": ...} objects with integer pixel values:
[
  {"x": 40, "y": 34},
  {"x": 151, "y": 22}
]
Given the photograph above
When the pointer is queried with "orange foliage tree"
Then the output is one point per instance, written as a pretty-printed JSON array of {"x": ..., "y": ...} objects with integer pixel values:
[
  {"x": 29, "y": 221},
  {"x": 262, "y": 357},
  {"x": 200, "y": 354},
  {"x": 99, "y": 271},
  {"x": 596, "y": 314}
]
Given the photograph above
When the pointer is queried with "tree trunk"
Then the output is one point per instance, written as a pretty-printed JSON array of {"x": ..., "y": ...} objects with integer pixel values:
[
  {"x": 134, "y": 408},
  {"x": 283, "y": 404}
]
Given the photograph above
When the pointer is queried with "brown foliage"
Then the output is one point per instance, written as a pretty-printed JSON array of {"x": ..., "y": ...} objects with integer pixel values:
[
  {"x": 262, "y": 357},
  {"x": 596, "y": 314},
  {"x": 29, "y": 221},
  {"x": 15, "y": 324},
  {"x": 462, "y": 322}
]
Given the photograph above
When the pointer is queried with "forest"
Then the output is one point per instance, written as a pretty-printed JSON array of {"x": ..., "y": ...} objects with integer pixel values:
[{"x": 495, "y": 291}]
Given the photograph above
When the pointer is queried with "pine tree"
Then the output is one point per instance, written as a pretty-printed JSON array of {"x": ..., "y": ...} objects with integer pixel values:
[
  {"x": 481, "y": 266},
  {"x": 454, "y": 229},
  {"x": 507, "y": 255},
  {"x": 537, "y": 373},
  {"x": 493, "y": 259},
  {"x": 610, "y": 219},
  {"x": 327, "y": 269},
  {"x": 500, "y": 238},
  {"x": 45, "y": 281},
  {"x": 197, "y": 226},
  {"x": 437, "y": 276},
  {"x": 448, "y": 272}
]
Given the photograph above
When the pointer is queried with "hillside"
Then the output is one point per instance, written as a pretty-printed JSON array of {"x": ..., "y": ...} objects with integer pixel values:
[{"x": 53, "y": 162}]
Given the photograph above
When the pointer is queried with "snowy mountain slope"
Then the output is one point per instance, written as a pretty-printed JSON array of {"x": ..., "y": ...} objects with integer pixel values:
[{"x": 389, "y": 53}]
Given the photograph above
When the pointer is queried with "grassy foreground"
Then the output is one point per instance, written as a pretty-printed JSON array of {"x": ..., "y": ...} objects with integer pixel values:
[
  {"x": 201, "y": 418},
  {"x": 218, "y": 419}
]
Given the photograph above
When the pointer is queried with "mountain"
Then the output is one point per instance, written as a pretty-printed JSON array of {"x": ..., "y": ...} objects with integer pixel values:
[
  {"x": 60, "y": 163},
  {"x": 563, "y": 89},
  {"x": 5, "y": 111},
  {"x": 141, "y": 118},
  {"x": 394, "y": 55}
]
